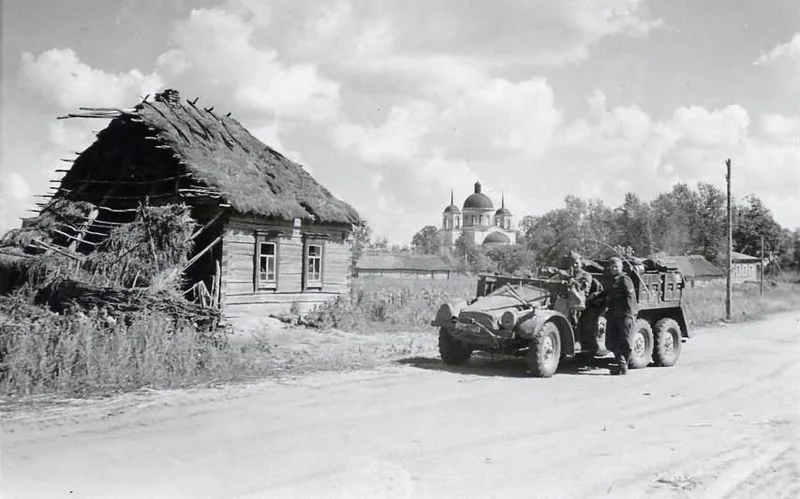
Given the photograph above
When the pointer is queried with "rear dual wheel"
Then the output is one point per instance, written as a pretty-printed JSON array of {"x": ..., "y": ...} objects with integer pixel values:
[{"x": 667, "y": 339}]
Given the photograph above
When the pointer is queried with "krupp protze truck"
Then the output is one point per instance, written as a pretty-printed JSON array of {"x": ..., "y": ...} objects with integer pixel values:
[{"x": 532, "y": 317}]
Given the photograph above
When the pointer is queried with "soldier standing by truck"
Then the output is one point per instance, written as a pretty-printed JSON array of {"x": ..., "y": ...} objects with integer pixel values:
[
  {"x": 620, "y": 297},
  {"x": 581, "y": 283}
]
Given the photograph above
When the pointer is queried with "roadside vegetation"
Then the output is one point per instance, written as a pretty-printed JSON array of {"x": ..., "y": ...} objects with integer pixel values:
[{"x": 92, "y": 353}]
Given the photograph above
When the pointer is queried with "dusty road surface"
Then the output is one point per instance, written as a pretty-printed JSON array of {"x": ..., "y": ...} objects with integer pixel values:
[{"x": 723, "y": 423}]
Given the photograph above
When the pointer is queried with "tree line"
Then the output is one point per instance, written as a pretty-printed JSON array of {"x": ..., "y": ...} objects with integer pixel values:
[{"x": 683, "y": 221}]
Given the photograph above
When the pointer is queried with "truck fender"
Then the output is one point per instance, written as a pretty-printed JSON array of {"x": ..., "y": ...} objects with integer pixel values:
[
  {"x": 448, "y": 313},
  {"x": 527, "y": 328}
]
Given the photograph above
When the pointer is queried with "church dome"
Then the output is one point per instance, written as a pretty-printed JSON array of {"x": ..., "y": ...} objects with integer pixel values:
[
  {"x": 503, "y": 211},
  {"x": 478, "y": 200},
  {"x": 497, "y": 238},
  {"x": 452, "y": 208}
]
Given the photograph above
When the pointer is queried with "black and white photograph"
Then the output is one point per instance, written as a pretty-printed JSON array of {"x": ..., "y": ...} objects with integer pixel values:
[{"x": 401, "y": 249}]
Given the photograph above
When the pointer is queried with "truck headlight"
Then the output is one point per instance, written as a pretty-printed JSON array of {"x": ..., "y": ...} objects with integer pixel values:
[{"x": 508, "y": 320}]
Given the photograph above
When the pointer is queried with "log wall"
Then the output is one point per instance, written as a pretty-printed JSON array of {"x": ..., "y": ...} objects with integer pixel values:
[{"x": 242, "y": 302}]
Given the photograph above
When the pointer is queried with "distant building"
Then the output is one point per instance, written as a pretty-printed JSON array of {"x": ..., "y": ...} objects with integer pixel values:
[
  {"x": 696, "y": 270},
  {"x": 477, "y": 221},
  {"x": 400, "y": 265},
  {"x": 745, "y": 267}
]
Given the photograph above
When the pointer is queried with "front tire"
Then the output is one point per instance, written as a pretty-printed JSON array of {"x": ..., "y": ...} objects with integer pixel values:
[
  {"x": 667, "y": 338},
  {"x": 453, "y": 351},
  {"x": 544, "y": 352},
  {"x": 641, "y": 343}
]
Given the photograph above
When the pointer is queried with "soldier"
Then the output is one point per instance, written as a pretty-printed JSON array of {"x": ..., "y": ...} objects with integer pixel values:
[
  {"x": 621, "y": 300},
  {"x": 580, "y": 283}
]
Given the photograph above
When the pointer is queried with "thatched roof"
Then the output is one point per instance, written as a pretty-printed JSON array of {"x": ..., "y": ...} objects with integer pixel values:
[{"x": 215, "y": 150}]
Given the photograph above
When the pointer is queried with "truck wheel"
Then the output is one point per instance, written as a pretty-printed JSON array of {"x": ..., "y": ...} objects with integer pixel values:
[
  {"x": 453, "y": 351},
  {"x": 641, "y": 343},
  {"x": 667, "y": 341},
  {"x": 544, "y": 351}
]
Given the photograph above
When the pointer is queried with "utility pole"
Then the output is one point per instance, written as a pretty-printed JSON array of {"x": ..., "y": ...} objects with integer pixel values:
[
  {"x": 728, "y": 289},
  {"x": 761, "y": 266}
]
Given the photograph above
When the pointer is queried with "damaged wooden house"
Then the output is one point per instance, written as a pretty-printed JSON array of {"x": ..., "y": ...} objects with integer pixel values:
[{"x": 267, "y": 236}]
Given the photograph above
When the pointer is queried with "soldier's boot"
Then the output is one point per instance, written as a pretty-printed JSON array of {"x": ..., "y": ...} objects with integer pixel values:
[{"x": 623, "y": 366}]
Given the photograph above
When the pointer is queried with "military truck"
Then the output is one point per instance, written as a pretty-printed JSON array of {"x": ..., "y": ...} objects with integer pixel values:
[{"x": 529, "y": 316}]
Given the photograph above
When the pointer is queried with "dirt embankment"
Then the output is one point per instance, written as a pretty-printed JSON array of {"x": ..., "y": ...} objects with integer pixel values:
[{"x": 723, "y": 423}]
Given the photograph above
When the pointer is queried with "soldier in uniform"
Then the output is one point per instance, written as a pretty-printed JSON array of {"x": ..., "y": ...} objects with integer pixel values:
[
  {"x": 580, "y": 284},
  {"x": 620, "y": 297}
]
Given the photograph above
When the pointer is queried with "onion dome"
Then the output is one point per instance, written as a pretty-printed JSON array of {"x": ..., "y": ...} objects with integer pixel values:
[
  {"x": 503, "y": 210},
  {"x": 452, "y": 208},
  {"x": 478, "y": 200},
  {"x": 497, "y": 238}
]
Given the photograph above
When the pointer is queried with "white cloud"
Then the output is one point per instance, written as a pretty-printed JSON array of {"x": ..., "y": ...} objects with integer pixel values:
[
  {"x": 547, "y": 32},
  {"x": 14, "y": 194},
  {"x": 59, "y": 76},
  {"x": 784, "y": 62},
  {"x": 397, "y": 139},
  {"x": 511, "y": 117},
  {"x": 785, "y": 52},
  {"x": 217, "y": 51},
  {"x": 725, "y": 127}
]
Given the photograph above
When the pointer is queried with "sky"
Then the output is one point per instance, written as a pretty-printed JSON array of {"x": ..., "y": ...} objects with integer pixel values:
[{"x": 391, "y": 104}]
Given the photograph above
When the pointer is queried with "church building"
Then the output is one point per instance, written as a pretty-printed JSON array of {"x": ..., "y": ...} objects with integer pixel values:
[{"x": 478, "y": 221}]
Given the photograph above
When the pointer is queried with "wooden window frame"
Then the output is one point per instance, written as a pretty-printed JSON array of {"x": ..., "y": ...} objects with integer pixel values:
[
  {"x": 308, "y": 284},
  {"x": 258, "y": 283}
]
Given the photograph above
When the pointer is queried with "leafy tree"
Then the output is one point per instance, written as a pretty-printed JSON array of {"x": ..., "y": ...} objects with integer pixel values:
[
  {"x": 361, "y": 239},
  {"x": 583, "y": 226},
  {"x": 753, "y": 219},
  {"x": 427, "y": 241},
  {"x": 672, "y": 219},
  {"x": 710, "y": 222},
  {"x": 632, "y": 225},
  {"x": 381, "y": 243},
  {"x": 512, "y": 259},
  {"x": 471, "y": 257}
]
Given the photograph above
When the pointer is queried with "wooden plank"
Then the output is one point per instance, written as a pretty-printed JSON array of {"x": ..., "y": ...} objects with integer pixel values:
[{"x": 278, "y": 298}]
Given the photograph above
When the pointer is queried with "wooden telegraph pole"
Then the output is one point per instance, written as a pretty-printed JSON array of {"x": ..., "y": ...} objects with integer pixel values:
[
  {"x": 761, "y": 266},
  {"x": 730, "y": 244}
]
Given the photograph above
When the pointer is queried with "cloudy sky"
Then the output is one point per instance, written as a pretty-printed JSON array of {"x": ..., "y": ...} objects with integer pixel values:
[{"x": 390, "y": 104}]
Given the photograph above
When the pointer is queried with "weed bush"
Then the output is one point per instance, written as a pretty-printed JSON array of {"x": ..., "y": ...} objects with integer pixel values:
[{"x": 79, "y": 352}]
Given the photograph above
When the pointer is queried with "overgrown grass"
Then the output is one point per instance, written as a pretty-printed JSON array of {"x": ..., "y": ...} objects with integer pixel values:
[
  {"x": 706, "y": 305},
  {"x": 391, "y": 303},
  {"x": 411, "y": 304},
  {"x": 89, "y": 353}
]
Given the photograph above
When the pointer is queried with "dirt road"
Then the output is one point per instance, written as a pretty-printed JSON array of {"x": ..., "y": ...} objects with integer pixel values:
[{"x": 724, "y": 423}]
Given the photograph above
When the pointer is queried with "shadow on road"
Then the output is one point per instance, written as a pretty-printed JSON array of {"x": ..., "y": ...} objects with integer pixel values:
[{"x": 505, "y": 366}]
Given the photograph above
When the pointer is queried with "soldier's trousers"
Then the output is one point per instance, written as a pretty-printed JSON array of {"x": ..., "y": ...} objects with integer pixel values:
[{"x": 618, "y": 336}]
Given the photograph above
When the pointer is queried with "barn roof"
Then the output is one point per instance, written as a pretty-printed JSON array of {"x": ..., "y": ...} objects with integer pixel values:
[
  {"x": 218, "y": 151},
  {"x": 742, "y": 258},
  {"x": 390, "y": 261},
  {"x": 694, "y": 266}
]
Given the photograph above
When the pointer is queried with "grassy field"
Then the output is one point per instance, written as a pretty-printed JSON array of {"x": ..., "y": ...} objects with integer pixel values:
[
  {"x": 381, "y": 321},
  {"x": 411, "y": 304}
]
